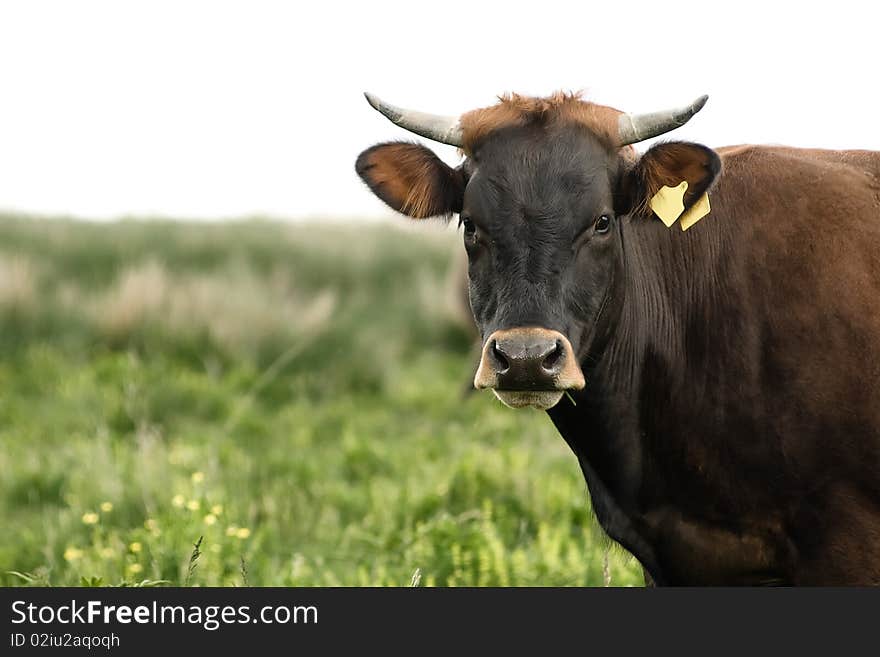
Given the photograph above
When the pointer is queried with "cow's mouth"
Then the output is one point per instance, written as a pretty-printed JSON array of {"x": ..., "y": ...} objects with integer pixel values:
[
  {"x": 540, "y": 399},
  {"x": 528, "y": 366}
]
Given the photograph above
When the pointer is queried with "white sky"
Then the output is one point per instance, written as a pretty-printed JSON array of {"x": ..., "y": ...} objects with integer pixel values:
[{"x": 221, "y": 109}]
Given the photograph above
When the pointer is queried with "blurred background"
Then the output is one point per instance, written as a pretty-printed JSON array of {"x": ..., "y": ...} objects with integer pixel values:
[{"x": 209, "y": 329}]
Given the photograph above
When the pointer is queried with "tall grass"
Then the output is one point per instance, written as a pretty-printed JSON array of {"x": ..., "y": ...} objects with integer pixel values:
[{"x": 290, "y": 393}]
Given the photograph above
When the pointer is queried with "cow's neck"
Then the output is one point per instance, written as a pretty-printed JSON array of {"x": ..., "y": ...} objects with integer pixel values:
[{"x": 650, "y": 359}]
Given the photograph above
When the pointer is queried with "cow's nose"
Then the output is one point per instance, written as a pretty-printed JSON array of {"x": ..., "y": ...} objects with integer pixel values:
[
  {"x": 535, "y": 359},
  {"x": 528, "y": 359}
]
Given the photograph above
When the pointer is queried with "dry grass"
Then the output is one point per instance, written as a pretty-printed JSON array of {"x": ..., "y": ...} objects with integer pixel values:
[
  {"x": 236, "y": 308},
  {"x": 18, "y": 282}
]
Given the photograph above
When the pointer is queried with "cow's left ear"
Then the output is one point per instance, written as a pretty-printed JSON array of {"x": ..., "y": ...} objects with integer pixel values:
[{"x": 669, "y": 164}]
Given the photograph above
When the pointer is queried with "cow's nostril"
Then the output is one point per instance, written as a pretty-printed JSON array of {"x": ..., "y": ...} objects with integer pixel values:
[
  {"x": 553, "y": 359},
  {"x": 501, "y": 359}
]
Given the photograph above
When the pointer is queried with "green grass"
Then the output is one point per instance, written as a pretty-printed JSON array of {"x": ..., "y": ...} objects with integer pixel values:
[{"x": 291, "y": 393}]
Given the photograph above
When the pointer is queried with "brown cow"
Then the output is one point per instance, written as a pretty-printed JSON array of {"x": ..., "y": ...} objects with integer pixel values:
[{"x": 723, "y": 382}]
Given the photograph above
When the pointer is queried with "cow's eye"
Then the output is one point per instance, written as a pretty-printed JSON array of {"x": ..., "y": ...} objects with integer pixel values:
[
  {"x": 469, "y": 228},
  {"x": 603, "y": 223}
]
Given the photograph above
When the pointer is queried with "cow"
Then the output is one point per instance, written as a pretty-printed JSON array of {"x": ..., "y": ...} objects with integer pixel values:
[{"x": 718, "y": 379}]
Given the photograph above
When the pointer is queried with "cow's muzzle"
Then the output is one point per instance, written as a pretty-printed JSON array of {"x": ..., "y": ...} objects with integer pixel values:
[{"x": 528, "y": 367}]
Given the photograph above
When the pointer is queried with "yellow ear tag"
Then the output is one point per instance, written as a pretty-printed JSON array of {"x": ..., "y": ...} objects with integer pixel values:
[
  {"x": 696, "y": 212},
  {"x": 668, "y": 203}
]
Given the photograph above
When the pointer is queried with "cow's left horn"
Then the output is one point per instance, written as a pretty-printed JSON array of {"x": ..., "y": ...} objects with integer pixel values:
[
  {"x": 445, "y": 129},
  {"x": 638, "y": 127}
]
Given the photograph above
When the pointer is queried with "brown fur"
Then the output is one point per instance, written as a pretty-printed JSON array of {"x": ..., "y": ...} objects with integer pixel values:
[
  {"x": 790, "y": 253},
  {"x": 515, "y": 110}
]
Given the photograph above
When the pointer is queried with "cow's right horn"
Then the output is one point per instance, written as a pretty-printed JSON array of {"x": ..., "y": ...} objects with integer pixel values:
[
  {"x": 445, "y": 129},
  {"x": 634, "y": 128}
]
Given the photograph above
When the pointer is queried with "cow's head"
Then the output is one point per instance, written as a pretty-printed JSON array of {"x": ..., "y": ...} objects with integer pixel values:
[{"x": 546, "y": 194}]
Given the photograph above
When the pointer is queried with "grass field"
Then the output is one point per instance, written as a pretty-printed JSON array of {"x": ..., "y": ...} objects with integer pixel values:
[{"x": 291, "y": 393}]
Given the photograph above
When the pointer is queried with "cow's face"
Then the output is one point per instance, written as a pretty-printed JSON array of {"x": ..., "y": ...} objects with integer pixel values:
[
  {"x": 541, "y": 234},
  {"x": 544, "y": 209}
]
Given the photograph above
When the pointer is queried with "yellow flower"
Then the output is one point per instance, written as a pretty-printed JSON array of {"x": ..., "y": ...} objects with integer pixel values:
[
  {"x": 90, "y": 518},
  {"x": 231, "y": 530},
  {"x": 106, "y": 507},
  {"x": 178, "y": 501},
  {"x": 244, "y": 532},
  {"x": 108, "y": 553},
  {"x": 193, "y": 505},
  {"x": 151, "y": 524},
  {"x": 210, "y": 519},
  {"x": 198, "y": 477},
  {"x": 217, "y": 509},
  {"x": 135, "y": 547},
  {"x": 72, "y": 554},
  {"x": 135, "y": 568}
]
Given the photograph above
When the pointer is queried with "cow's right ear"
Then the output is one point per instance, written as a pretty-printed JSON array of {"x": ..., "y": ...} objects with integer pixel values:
[
  {"x": 668, "y": 164},
  {"x": 411, "y": 179}
]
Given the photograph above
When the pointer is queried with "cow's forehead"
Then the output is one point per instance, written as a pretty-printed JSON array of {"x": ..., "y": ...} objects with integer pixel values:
[
  {"x": 547, "y": 175},
  {"x": 564, "y": 158},
  {"x": 536, "y": 145}
]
